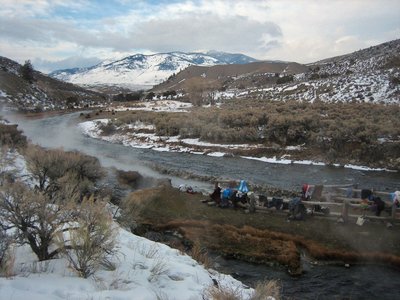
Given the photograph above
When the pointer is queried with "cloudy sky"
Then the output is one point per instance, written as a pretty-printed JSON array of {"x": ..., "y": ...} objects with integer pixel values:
[{"x": 56, "y": 34}]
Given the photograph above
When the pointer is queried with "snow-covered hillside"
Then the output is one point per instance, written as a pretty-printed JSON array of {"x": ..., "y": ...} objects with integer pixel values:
[
  {"x": 42, "y": 93},
  {"x": 145, "y": 70},
  {"x": 143, "y": 270},
  {"x": 139, "y": 269},
  {"x": 369, "y": 75}
]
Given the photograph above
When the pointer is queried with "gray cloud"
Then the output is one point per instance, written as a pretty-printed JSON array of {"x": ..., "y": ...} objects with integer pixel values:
[
  {"x": 68, "y": 63},
  {"x": 42, "y": 30},
  {"x": 200, "y": 31},
  {"x": 203, "y": 31}
]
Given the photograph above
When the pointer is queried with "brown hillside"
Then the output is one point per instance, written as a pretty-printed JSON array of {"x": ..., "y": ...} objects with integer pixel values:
[
  {"x": 218, "y": 75},
  {"x": 43, "y": 92}
]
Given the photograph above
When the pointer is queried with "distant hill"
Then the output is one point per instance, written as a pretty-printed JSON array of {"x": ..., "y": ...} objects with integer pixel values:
[
  {"x": 42, "y": 93},
  {"x": 144, "y": 71},
  {"x": 232, "y": 76},
  {"x": 368, "y": 75}
]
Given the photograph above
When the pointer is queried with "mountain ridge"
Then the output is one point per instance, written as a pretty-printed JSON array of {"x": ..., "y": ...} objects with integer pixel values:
[{"x": 145, "y": 70}]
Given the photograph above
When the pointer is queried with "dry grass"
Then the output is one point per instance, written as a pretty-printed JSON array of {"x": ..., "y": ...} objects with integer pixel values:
[
  {"x": 266, "y": 290},
  {"x": 223, "y": 293},
  {"x": 158, "y": 269},
  {"x": 200, "y": 254}
]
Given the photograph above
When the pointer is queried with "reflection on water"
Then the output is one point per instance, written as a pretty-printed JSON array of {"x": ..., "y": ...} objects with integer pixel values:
[{"x": 320, "y": 282}]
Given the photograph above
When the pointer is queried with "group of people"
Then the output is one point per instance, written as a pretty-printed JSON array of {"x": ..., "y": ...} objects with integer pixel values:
[
  {"x": 236, "y": 194},
  {"x": 375, "y": 203},
  {"x": 230, "y": 196}
]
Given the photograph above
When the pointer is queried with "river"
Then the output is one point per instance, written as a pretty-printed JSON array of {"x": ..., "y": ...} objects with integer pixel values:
[
  {"x": 61, "y": 131},
  {"x": 318, "y": 282}
]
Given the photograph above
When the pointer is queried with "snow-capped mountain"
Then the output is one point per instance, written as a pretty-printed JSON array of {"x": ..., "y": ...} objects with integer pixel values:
[{"x": 145, "y": 70}]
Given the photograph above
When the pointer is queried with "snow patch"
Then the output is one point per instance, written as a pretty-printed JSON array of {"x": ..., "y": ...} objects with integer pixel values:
[{"x": 134, "y": 276}]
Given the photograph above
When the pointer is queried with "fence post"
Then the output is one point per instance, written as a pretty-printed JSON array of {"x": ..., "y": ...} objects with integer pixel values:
[
  {"x": 394, "y": 211},
  {"x": 252, "y": 203},
  {"x": 345, "y": 210}
]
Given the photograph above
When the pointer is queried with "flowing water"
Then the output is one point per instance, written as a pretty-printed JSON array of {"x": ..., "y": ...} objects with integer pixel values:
[
  {"x": 318, "y": 282},
  {"x": 62, "y": 131}
]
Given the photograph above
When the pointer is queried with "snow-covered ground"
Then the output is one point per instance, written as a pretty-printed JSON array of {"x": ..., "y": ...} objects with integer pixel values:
[
  {"x": 369, "y": 87},
  {"x": 156, "y": 106},
  {"x": 143, "y": 270}
]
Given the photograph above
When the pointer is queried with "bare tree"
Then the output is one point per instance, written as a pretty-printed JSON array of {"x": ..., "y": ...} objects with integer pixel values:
[
  {"x": 37, "y": 214},
  {"x": 35, "y": 219},
  {"x": 200, "y": 89}
]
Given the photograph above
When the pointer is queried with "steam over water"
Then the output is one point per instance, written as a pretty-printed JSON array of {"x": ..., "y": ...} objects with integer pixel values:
[
  {"x": 61, "y": 131},
  {"x": 319, "y": 282}
]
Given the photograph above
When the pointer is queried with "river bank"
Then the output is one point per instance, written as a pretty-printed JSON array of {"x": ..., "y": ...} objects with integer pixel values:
[
  {"x": 142, "y": 136},
  {"x": 262, "y": 238},
  {"x": 323, "y": 134}
]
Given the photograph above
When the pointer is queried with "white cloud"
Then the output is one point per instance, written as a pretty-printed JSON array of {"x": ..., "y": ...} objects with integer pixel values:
[{"x": 303, "y": 30}]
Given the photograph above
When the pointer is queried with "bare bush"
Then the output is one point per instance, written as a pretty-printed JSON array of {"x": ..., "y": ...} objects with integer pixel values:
[
  {"x": 53, "y": 168},
  {"x": 6, "y": 161},
  {"x": 91, "y": 242},
  {"x": 6, "y": 258}
]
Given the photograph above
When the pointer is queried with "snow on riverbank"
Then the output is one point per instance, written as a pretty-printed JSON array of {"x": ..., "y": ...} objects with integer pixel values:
[
  {"x": 143, "y": 270},
  {"x": 194, "y": 146},
  {"x": 275, "y": 160},
  {"x": 155, "y": 142},
  {"x": 156, "y": 106}
]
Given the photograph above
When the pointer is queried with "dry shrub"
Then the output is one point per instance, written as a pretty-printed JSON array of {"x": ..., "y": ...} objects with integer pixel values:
[
  {"x": 129, "y": 178},
  {"x": 55, "y": 168},
  {"x": 267, "y": 291},
  {"x": 91, "y": 243},
  {"x": 134, "y": 204},
  {"x": 222, "y": 293},
  {"x": 11, "y": 136}
]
